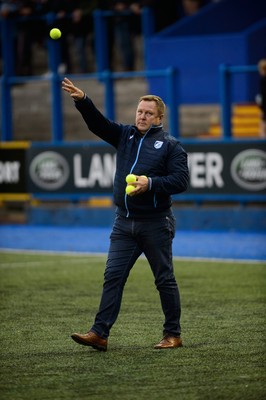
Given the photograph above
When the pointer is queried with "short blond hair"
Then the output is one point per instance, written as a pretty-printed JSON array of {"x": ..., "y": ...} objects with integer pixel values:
[
  {"x": 262, "y": 66},
  {"x": 159, "y": 102}
]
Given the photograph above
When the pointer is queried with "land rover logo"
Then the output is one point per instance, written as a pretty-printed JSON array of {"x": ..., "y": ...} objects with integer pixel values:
[
  {"x": 49, "y": 170},
  {"x": 248, "y": 169}
]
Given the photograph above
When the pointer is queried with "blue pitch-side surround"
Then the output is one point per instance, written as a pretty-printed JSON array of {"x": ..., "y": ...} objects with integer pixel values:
[
  {"x": 212, "y": 218},
  {"x": 187, "y": 244}
]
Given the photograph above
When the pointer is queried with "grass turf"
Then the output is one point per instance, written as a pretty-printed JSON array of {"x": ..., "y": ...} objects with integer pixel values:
[{"x": 44, "y": 298}]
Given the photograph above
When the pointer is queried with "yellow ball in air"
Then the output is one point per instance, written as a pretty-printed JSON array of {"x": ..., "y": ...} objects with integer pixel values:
[{"x": 55, "y": 33}]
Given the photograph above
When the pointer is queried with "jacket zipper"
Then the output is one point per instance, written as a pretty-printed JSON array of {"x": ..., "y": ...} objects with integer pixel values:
[
  {"x": 133, "y": 166},
  {"x": 155, "y": 200}
]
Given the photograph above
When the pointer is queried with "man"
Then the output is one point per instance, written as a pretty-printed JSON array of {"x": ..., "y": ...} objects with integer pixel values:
[{"x": 144, "y": 220}]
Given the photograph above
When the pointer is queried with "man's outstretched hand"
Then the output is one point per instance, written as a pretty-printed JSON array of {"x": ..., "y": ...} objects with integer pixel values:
[{"x": 75, "y": 92}]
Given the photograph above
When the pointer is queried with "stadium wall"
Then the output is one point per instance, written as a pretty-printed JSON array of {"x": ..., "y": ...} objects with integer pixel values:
[
  {"x": 209, "y": 218},
  {"x": 229, "y": 32}
]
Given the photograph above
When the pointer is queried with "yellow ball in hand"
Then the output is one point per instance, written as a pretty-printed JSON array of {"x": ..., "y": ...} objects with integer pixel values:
[
  {"x": 131, "y": 178},
  {"x": 55, "y": 33},
  {"x": 129, "y": 189}
]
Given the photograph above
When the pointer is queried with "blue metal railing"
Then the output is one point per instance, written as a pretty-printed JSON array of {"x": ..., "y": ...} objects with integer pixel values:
[
  {"x": 103, "y": 75},
  {"x": 226, "y": 72},
  {"x": 106, "y": 77}
]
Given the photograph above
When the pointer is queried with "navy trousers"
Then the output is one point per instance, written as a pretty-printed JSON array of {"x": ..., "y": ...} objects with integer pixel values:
[{"x": 129, "y": 239}]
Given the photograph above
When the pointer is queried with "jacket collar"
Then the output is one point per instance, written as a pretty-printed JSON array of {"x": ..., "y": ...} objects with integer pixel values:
[{"x": 152, "y": 129}]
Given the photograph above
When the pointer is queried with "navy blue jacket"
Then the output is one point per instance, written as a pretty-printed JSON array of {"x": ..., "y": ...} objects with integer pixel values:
[{"x": 156, "y": 154}]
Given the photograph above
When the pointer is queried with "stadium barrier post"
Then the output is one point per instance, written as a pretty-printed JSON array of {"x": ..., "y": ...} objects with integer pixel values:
[
  {"x": 147, "y": 28},
  {"x": 100, "y": 41},
  {"x": 7, "y": 30},
  {"x": 225, "y": 98},
  {"x": 109, "y": 94},
  {"x": 172, "y": 101}
]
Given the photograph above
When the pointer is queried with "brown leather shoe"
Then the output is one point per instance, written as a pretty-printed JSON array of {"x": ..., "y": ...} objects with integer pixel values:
[
  {"x": 169, "y": 342},
  {"x": 90, "y": 339}
]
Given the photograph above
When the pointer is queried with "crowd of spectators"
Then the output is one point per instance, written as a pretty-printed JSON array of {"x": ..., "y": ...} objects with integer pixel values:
[{"x": 75, "y": 19}]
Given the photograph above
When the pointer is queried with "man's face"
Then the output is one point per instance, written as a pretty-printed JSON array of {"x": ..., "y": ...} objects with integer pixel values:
[{"x": 147, "y": 115}]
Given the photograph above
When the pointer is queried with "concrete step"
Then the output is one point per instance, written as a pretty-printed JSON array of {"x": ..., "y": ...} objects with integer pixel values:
[
  {"x": 245, "y": 122},
  {"x": 32, "y": 110}
]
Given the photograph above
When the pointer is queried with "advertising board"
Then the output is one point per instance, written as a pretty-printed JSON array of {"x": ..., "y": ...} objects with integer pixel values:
[
  {"x": 215, "y": 168},
  {"x": 218, "y": 170},
  {"x": 12, "y": 170}
]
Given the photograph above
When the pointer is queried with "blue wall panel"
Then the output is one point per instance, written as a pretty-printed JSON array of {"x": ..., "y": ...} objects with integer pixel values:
[
  {"x": 197, "y": 61},
  {"x": 230, "y": 16},
  {"x": 239, "y": 219},
  {"x": 196, "y": 47}
]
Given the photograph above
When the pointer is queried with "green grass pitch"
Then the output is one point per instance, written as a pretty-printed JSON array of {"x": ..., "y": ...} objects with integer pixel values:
[{"x": 44, "y": 298}]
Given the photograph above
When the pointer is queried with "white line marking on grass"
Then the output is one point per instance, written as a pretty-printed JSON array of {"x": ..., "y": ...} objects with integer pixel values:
[
  {"x": 225, "y": 260},
  {"x": 97, "y": 255},
  {"x": 25, "y": 264},
  {"x": 53, "y": 252}
]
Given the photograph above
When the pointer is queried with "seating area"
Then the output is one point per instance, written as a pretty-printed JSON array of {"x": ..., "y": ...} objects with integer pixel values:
[{"x": 245, "y": 122}]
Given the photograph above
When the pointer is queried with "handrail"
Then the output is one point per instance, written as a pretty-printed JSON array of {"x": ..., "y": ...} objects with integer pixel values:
[
  {"x": 226, "y": 72},
  {"x": 106, "y": 77}
]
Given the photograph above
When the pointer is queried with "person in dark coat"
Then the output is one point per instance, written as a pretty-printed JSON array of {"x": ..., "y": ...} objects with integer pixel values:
[{"x": 144, "y": 221}]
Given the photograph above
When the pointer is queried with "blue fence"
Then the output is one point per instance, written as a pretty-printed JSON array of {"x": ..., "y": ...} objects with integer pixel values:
[
  {"x": 171, "y": 76},
  {"x": 106, "y": 77},
  {"x": 226, "y": 75}
]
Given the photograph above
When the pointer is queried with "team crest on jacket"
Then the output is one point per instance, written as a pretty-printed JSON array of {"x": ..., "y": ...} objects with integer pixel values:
[{"x": 158, "y": 144}]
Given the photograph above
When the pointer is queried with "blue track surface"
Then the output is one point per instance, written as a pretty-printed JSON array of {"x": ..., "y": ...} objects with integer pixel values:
[{"x": 198, "y": 244}]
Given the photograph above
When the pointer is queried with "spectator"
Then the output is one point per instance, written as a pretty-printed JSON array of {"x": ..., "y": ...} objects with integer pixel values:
[
  {"x": 191, "y": 7},
  {"x": 121, "y": 30},
  {"x": 74, "y": 19},
  {"x": 8, "y": 7},
  {"x": 23, "y": 34},
  {"x": 41, "y": 8},
  {"x": 262, "y": 96},
  {"x": 82, "y": 31}
]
